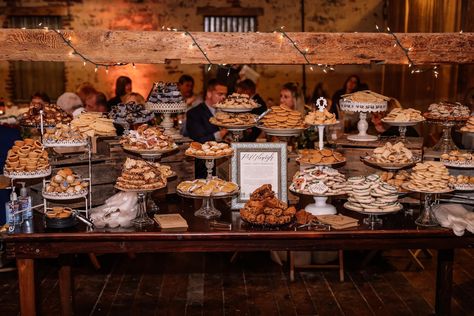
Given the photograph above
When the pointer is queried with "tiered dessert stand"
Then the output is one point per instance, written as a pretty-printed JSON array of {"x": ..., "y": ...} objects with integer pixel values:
[
  {"x": 362, "y": 108},
  {"x": 373, "y": 220},
  {"x": 321, "y": 104},
  {"x": 207, "y": 210},
  {"x": 445, "y": 143},
  {"x": 236, "y": 131},
  {"x": 402, "y": 127},
  {"x": 167, "y": 108}
]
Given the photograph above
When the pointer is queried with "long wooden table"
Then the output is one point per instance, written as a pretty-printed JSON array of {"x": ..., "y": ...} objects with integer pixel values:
[{"x": 397, "y": 232}]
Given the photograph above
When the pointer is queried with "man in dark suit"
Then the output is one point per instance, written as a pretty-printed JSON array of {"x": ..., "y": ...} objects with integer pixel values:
[
  {"x": 197, "y": 120},
  {"x": 249, "y": 88}
]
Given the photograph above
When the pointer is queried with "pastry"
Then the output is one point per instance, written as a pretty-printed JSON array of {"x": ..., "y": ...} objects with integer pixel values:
[
  {"x": 447, "y": 111},
  {"x": 457, "y": 157},
  {"x": 469, "y": 127},
  {"x": 237, "y": 101},
  {"x": 233, "y": 119},
  {"x": 207, "y": 187},
  {"x": 142, "y": 175},
  {"x": 325, "y": 156},
  {"x": 430, "y": 176},
  {"x": 147, "y": 138},
  {"x": 264, "y": 208},
  {"x": 397, "y": 179},
  {"x": 130, "y": 113},
  {"x": 59, "y": 212},
  {"x": 319, "y": 181},
  {"x": 371, "y": 194},
  {"x": 65, "y": 182},
  {"x": 165, "y": 92},
  {"x": 52, "y": 115},
  {"x": 27, "y": 155},
  {"x": 209, "y": 149},
  {"x": 392, "y": 154},
  {"x": 94, "y": 124},
  {"x": 320, "y": 117},
  {"x": 282, "y": 118},
  {"x": 63, "y": 133},
  {"x": 404, "y": 115}
]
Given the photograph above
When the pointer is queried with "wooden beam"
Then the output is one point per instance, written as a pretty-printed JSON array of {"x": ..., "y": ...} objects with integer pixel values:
[
  {"x": 236, "y": 48},
  {"x": 229, "y": 11},
  {"x": 60, "y": 10}
]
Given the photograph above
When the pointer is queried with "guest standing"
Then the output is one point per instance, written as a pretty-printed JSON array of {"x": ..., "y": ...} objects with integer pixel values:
[
  {"x": 123, "y": 85},
  {"x": 249, "y": 88}
]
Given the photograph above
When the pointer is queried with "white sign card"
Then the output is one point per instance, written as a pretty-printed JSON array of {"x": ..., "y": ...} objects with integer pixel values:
[{"x": 255, "y": 164}]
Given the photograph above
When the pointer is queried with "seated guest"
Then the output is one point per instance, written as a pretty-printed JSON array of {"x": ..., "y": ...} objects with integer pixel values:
[
  {"x": 96, "y": 102},
  {"x": 85, "y": 90},
  {"x": 70, "y": 103},
  {"x": 197, "y": 120},
  {"x": 249, "y": 88},
  {"x": 40, "y": 99}
]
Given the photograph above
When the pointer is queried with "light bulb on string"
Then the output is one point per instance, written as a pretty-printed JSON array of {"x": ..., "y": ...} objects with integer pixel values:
[
  {"x": 84, "y": 63},
  {"x": 107, "y": 70},
  {"x": 133, "y": 65},
  {"x": 96, "y": 68}
]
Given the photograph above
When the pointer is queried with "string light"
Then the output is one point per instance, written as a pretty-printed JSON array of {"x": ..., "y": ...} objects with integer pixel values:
[
  {"x": 304, "y": 53},
  {"x": 406, "y": 51}
]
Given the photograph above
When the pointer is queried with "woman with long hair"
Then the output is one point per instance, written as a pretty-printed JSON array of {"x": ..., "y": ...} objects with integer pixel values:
[{"x": 123, "y": 85}]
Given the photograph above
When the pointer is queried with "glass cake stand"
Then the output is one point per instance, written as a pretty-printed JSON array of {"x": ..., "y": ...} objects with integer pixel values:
[
  {"x": 402, "y": 127},
  {"x": 373, "y": 220},
  {"x": 445, "y": 143},
  {"x": 207, "y": 209},
  {"x": 142, "y": 219}
]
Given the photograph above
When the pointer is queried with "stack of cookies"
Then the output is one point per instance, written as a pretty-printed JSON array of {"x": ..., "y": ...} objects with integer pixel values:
[
  {"x": 469, "y": 127},
  {"x": 397, "y": 179},
  {"x": 319, "y": 181},
  {"x": 207, "y": 187},
  {"x": 93, "y": 124},
  {"x": 147, "y": 138},
  {"x": 430, "y": 176},
  {"x": 209, "y": 149},
  {"x": 371, "y": 194},
  {"x": 392, "y": 154},
  {"x": 237, "y": 101},
  {"x": 140, "y": 175},
  {"x": 63, "y": 133},
  {"x": 26, "y": 156},
  {"x": 458, "y": 157},
  {"x": 447, "y": 111},
  {"x": 283, "y": 118},
  {"x": 324, "y": 156},
  {"x": 264, "y": 208},
  {"x": 233, "y": 119},
  {"x": 320, "y": 118},
  {"x": 404, "y": 115}
]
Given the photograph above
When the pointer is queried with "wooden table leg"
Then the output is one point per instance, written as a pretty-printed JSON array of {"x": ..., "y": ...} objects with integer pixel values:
[
  {"x": 66, "y": 288},
  {"x": 26, "y": 283},
  {"x": 444, "y": 281}
]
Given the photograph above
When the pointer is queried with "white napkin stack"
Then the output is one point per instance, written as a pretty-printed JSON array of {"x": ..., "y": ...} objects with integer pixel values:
[{"x": 454, "y": 216}]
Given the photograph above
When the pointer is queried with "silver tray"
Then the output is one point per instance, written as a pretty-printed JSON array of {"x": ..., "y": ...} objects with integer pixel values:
[{"x": 348, "y": 206}]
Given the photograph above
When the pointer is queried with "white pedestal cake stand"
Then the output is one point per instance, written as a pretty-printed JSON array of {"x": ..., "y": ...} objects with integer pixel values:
[
  {"x": 362, "y": 108},
  {"x": 167, "y": 109}
]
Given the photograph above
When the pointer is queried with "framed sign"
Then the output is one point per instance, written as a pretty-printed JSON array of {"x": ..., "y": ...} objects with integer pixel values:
[{"x": 255, "y": 164}]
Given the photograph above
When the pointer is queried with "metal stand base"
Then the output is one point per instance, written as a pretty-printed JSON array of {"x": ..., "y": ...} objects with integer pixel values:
[
  {"x": 207, "y": 210},
  {"x": 142, "y": 218},
  {"x": 427, "y": 217}
]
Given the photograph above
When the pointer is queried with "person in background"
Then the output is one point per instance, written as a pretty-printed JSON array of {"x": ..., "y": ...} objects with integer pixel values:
[
  {"x": 85, "y": 90},
  {"x": 40, "y": 99},
  {"x": 320, "y": 92},
  {"x": 291, "y": 97},
  {"x": 123, "y": 85},
  {"x": 197, "y": 120},
  {"x": 96, "y": 102},
  {"x": 249, "y": 88},
  {"x": 186, "y": 87},
  {"x": 351, "y": 84},
  {"x": 133, "y": 97},
  {"x": 70, "y": 103}
]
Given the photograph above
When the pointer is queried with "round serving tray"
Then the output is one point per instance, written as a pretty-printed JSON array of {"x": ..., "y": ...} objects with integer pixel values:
[
  {"x": 236, "y": 128},
  {"x": 317, "y": 195},
  {"x": 454, "y": 164},
  {"x": 389, "y": 166},
  {"x": 327, "y": 124},
  {"x": 59, "y": 223},
  {"x": 450, "y": 120},
  {"x": 222, "y": 195},
  {"x": 210, "y": 157},
  {"x": 64, "y": 196},
  {"x": 267, "y": 225},
  {"x": 27, "y": 174},
  {"x": 236, "y": 110},
  {"x": 302, "y": 163},
  {"x": 47, "y": 143},
  {"x": 406, "y": 187},
  {"x": 150, "y": 152},
  {"x": 393, "y": 123},
  {"x": 168, "y": 108},
  {"x": 285, "y": 132},
  {"x": 351, "y": 106},
  {"x": 139, "y": 190},
  {"x": 348, "y": 206},
  {"x": 463, "y": 187}
]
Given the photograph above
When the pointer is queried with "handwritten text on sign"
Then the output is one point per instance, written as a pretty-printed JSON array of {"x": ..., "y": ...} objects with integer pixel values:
[{"x": 256, "y": 169}]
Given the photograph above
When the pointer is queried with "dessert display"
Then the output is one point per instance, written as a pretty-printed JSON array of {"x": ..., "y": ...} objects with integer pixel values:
[
  {"x": 396, "y": 154},
  {"x": 265, "y": 209},
  {"x": 65, "y": 184},
  {"x": 283, "y": 118},
  {"x": 52, "y": 115},
  {"x": 233, "y": 119},
  {"x": 469, "y": 127},
  {"x": 27, "y": 158},
  {"x": 397, "y": 179},
  {"x": 446, "y": 111},
  {"x": 94, "y": 124},
  {"x": 320, "y": 118},
  {"x": 371, "y": 194},
  {"x": 457, "y": 158},
  {"x": 130, "y": 113},
  {"x": 210, "y": 149},
  {"x": 147, "y": 138},
  {"x": 59, "y": 212},
  {"x": 237, "y": 101},
  {"x": 139, "y": 175},
  {"x": 165, "y": 92},
  {"x": 63, "y": 134},
  {"x": 429, "y": 177},
  {"x": 399, "y": 115},
  {"x": 324, "y": 156},
  {"x": 319, "y": 181},
  {"x": 462, "y": 182},
  {"x": 207, "y": 187}
]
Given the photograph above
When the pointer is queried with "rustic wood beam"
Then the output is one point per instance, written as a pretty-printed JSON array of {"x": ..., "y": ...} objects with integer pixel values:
[{"x": 236, "y": 48}]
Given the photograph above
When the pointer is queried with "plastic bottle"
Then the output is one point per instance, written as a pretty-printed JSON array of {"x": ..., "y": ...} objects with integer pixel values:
[
  {"x": 12, "y": 208},
  {"x": 25, "y": 202}
]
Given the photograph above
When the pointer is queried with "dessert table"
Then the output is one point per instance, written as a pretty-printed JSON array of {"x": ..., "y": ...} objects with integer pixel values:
[{"x": 397, "y": 232}]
